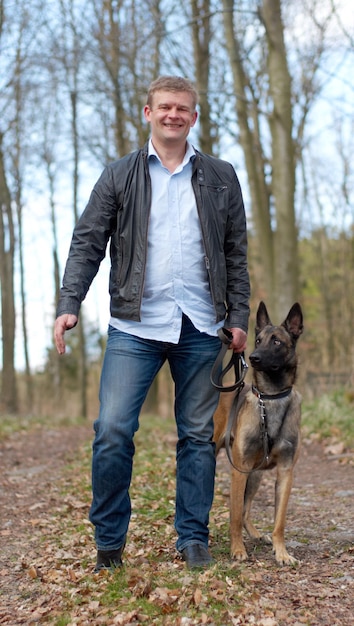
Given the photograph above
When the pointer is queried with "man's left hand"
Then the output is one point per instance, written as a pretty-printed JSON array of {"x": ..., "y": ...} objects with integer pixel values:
[{"x": 239, "y": 340}]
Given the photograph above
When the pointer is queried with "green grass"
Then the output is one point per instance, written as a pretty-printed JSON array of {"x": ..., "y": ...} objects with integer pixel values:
[
  {"x": 10, "y": 424},
  {"x": 330, "y": 417}
]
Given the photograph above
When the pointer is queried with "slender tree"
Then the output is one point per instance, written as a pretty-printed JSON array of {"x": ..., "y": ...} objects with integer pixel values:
[
  {"x": 18, "y": 157},
  {"x": 8, "y": 391},
  {"x": 283, "y": 164},
  {"x": 201, "y": 36},
  {"x": 9, "y": 400},
  {"x": 71, "y": 54}
]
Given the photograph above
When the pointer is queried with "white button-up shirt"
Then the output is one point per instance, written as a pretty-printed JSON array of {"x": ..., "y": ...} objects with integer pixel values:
[{"x": 176, "y": 278}]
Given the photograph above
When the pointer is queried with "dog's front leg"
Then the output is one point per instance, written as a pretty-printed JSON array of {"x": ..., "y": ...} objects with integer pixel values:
[
  {"x": 238, "y": 486},
  {"x": 252, "y": 485},
  {"x": 282, "y": 493}
]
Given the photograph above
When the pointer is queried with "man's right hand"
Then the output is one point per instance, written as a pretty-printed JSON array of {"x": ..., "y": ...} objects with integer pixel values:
[{"x": 63, "y": 323}]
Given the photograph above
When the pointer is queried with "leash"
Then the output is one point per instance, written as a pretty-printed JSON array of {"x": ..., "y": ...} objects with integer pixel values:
[{"x": 237, "y": 361}]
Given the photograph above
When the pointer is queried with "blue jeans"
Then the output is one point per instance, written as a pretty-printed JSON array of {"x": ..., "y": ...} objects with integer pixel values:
[{"x": 130, "y": 366}]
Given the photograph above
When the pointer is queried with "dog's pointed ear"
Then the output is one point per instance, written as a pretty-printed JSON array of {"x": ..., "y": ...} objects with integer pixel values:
[
  {"x": 294, "y": 321},
  {"x": 262, "y": 318}
]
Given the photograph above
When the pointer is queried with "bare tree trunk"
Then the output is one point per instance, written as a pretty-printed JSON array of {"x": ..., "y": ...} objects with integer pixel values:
[
  {"x": 201, "y": 36},
  {"x": 149, "y": 68},
  {"x": 111, "y": 54},
  {"x": 71, "y": 63},
  {"x": 8, "y": 396},
  {"x": 81, "y": 328},
  {"x": 18, "y": 123},
  {"x": 28, "y": 375},
  {"x": 283, "y": 160},
  {"x": 250, "y": 139},
  {"x": 48, "y": 161}
]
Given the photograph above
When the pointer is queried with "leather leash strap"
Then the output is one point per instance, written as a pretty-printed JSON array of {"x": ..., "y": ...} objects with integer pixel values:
[
  {"x": 237, "y": 361},
  {"x": 231, "y": 423}
]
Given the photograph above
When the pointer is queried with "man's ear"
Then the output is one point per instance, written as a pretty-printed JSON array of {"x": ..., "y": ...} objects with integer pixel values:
[
  {"x": 147, "y": 112},
  {"x": 195, "y": 117}
]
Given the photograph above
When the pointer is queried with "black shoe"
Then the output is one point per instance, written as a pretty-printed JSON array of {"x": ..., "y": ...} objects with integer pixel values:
[
  {"x": 109, "y": 559},
  {"x": 196, "y": 555}
]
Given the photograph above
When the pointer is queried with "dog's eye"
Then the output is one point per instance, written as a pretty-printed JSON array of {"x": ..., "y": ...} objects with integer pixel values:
[
  {"x": 277, "y": 342},
  {"x": 257, "y": 342}
]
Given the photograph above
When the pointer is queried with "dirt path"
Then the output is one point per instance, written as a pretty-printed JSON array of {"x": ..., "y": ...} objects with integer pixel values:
[
  {"x": 321, "y": 514},
  {"x": 30, "y": 465}
]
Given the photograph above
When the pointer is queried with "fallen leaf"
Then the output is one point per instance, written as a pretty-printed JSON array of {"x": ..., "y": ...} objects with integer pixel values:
[
  {"x": 197, "y": 597},
  {"x": 93, "y": 605},
  {"x": 336, "y": 448},
  {"x": 33, "y": 572}
]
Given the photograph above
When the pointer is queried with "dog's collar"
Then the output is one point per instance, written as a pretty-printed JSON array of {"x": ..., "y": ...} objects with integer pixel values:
[{"x": 268, "y": 396}]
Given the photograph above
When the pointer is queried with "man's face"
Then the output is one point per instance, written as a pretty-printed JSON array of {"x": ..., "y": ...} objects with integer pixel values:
[{"x": 171, "y": 116}]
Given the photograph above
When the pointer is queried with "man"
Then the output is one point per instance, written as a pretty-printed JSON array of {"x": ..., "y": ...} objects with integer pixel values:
[{"x": 176, "y": 225}]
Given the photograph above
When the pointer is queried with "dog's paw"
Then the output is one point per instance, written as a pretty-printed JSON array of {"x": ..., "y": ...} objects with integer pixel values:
[
  {"x": 251, "y": 530},
  {"x": 239, "y": 554},
  {"x": 283, "y": 557}
]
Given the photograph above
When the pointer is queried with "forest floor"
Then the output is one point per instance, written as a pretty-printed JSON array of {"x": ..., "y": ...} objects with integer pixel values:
[{"x": 38, "y": 575}]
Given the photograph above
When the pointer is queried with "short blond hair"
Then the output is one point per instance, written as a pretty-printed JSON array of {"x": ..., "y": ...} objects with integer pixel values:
[{"x": 172, "y": 83}]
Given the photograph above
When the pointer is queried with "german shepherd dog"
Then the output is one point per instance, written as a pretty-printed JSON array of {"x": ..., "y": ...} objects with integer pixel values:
[{"x": 265, "y": 431}]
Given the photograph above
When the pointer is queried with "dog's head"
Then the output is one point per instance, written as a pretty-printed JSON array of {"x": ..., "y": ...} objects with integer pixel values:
[{"x": 275, "y": 345}]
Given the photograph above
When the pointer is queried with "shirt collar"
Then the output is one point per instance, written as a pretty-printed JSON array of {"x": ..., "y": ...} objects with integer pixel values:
[{"x": 189, "y": 155}]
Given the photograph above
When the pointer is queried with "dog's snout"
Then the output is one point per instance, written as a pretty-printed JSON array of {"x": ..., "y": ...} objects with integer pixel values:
[{"x": 254, "y": 358}]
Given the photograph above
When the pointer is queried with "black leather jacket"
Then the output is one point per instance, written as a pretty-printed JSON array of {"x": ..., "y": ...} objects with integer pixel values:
[{"x": 118, "y": 210}]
